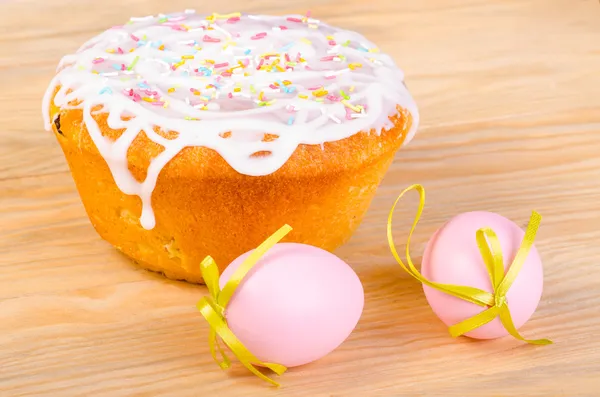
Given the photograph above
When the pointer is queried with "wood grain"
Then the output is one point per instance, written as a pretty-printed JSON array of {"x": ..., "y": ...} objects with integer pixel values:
[{"x": 508, "y": 92}]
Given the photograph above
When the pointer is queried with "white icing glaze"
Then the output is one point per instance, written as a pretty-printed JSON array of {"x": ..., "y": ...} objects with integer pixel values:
[{"x": 171, "y": 72}]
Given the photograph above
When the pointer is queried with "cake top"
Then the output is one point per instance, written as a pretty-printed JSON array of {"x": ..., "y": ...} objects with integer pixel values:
[{"x": 224, "y": 81}]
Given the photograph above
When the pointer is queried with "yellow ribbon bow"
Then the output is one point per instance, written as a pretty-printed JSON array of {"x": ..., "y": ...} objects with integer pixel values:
[
  {"x": 213, "y": 309},
  {"x": 489, "y": 247}
]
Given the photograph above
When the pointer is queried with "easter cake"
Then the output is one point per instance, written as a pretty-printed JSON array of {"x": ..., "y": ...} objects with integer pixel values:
[{"x": 192, "y": 134}]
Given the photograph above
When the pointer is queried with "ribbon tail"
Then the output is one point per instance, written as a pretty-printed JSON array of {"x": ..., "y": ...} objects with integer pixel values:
[
  {"x": 209, "y": 313},
  {"x": 219, "y": 329},
  {"x": 474, "y": 322},
  {"x": 506, "y": 319},
  {"x": 278, "y": 369},
  {"x": 225, "y": 362},
  {"x": 469, "y": 294},
  {"x": 248, "y": 359}
]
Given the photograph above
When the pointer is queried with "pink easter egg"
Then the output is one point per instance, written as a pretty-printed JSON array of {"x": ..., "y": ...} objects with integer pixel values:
[
  {"x": 296, "y": 305},
  {"x": 452, "y": 257}
]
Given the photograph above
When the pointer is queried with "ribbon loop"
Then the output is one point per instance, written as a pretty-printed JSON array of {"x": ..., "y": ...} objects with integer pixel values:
[
  {"x": 491, "y": 253},
  {"x": 213, "y": 308}
]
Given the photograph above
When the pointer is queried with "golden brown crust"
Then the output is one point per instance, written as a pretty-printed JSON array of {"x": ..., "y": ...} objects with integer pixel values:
[{"x": 204, "y": 207}]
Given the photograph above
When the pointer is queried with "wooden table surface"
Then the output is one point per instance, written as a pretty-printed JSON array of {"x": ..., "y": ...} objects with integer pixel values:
[{"x": 509, "y": 96}]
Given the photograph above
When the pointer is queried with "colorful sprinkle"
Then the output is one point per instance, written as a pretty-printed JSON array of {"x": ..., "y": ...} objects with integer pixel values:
[
  {"x": 286, "y": 47},
  {"x": 354, "y": 66},
  {"x": 106, "y": 90},
  {"x": 259, "y": 36},
  {"x": 334, "y": 118},
  {"x": 177, "y": 19},
  {"x": 344, "y": 95},
  {"x": 135, "y": 61},
  {"x": 225, "y": 16},
  {"x": 320, "y": 92},
  {"x": 208, "y": 39},
  {"x": 98, "y": 60},
  {"x": 178, "y": 64},
  {"x": 351, "y": 106},
  {"x": 348, "y": 114}
]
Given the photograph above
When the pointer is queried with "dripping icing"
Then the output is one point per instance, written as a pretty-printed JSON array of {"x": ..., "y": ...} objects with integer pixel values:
[{"x": 202, "y": 76}]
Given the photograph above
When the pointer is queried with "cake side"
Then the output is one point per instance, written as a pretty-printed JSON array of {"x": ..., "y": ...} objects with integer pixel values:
[{"x": 203, "y": 207}]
